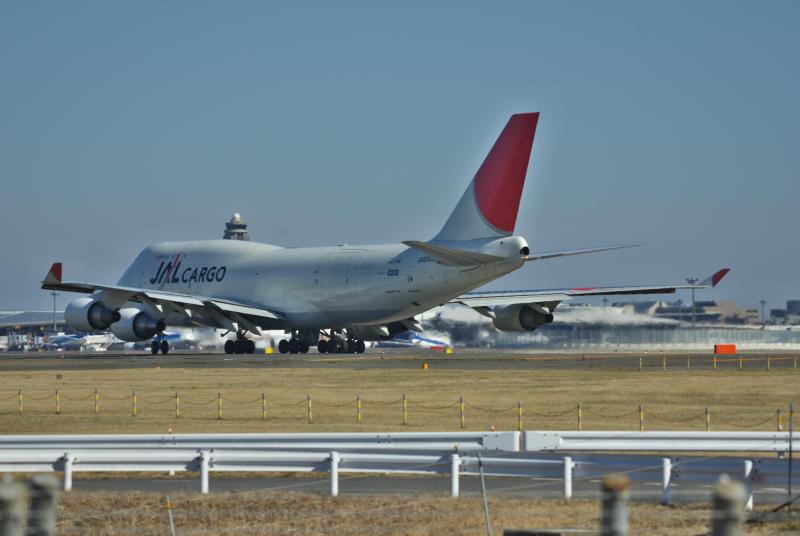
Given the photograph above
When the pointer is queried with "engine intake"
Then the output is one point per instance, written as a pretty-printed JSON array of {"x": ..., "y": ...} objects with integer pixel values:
[
  {"x": 88, "y": 314},
  {"x": 136, "y": 325},
  {"x": 520, "y": 317}
]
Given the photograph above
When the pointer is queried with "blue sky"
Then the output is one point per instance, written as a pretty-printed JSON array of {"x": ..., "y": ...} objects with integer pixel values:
[{"x": 675, "y": 124}]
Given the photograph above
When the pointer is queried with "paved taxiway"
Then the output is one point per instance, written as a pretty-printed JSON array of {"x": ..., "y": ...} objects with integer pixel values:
[{"x": 405, "y": 358}]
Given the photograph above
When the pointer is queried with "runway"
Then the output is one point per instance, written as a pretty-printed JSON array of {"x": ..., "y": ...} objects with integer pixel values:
[{"x": 391, "y": 358}]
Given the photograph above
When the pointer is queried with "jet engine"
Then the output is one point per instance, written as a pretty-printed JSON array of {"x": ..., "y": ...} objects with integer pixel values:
[
  {"x": 520, "y": 317},
  {"x": 136, "y": 325},
  {"x": 88, "y": 314}
]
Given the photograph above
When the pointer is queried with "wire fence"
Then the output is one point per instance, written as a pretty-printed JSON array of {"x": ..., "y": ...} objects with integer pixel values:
[{"x": 406, "y": 411}]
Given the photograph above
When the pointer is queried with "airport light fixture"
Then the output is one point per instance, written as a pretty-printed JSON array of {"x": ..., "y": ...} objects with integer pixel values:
[
  {"x": 55, "y": 327},
  {"x": 763, "y": 318}
]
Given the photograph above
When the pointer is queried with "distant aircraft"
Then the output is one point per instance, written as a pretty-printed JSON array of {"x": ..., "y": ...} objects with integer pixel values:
[
  {"x": 338, "y": 297},
  {"x": 79, "y": 342},
  {"x": 412, "y": 339}
]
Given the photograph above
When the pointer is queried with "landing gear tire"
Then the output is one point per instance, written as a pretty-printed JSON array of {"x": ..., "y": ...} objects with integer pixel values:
[
  {"x": 230, "y": 346},
  {"x": 322, "y": 346},
  {"x": 333, "y": 346},
  {"x": 164, "y": 347},
  {"x": 283, "y": 346},
  {"x": 250, "y": 346},
  {"x": 154, "y": 347},
  {"x": 360, "y": 346},
  {"x": 294, "y": 346},
  {"x": 304, "y": 347}
]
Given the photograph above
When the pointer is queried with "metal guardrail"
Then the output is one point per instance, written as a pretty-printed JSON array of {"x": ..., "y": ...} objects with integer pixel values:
[
  {"x": 417, "y": 441},
  {"x": 567, "y": 441}
]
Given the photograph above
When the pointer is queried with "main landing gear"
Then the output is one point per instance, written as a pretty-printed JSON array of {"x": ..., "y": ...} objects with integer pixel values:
[
  {"x": 338, "y": 343},
  {"x": 157, "y": 345},
  {"x": 241, "y": 345},
  {"x": 296, "y": 345}
]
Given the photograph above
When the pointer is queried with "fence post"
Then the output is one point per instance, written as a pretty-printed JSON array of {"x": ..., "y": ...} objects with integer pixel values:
[
  {"x": 68, "y": 461},
  {"x": 519, "y": 415},
  {"x": 615, "y": 505},
  {"x": 358, "y": 409},
  {"x": 708, "y": 420},
  {"x": 794, "y": 362},
  {"x": 748, "y": 484},
  {"x": 204, "y": 463},
  {"x": 19, "y": 401},
  {"x": 12, "y": 509},
  {"x": 134, "y": 409},
  {"x": 728, "y": 503},
  {"x": 741, "y": 362},
  {"x": 455, "y": 462},
  {"x": 666, "y": 478},
  {"x": 580, "y": 417},
  {"x": 640, "y": 363},
  {"x": 641, "y": 417},
  {"x": 689, "y": 362},
  {"x": 58, "y": 403},
  {"x": 96, "y": 401},
  {"x": 219, "y": 406},
  {"x": 405, "y": 410},
  {"x": 769, "y": 364},
  {"x": 568, "y": 477},
  {"x": 177, "y": 405},
  {"x": 334, "y": 459},
  {"x": 663, "y": 361},
  {"x": 263, "y": 406},
  {"x": 310, "y": 414},
  {"x": 44, "y": 498},
  {"x": 461, "y": 410}
]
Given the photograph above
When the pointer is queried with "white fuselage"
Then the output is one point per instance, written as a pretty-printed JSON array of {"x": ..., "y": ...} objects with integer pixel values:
[{"x": 318, "y": 287}]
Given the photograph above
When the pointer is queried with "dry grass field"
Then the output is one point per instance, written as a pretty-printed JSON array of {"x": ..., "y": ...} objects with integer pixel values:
[
  {"x": 117, "y": 514},
  {"x": 673, "y": 399}
]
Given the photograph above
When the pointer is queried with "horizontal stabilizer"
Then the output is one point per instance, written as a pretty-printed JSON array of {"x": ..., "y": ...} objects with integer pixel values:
[
  {"x": 454, "y": 256},
  {"x": 570, "y": 252}
]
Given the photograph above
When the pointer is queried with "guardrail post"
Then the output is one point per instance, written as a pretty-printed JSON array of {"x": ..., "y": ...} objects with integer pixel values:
[
  {"x": 708, "y": 420},
  {"x": 358, "y": 409},
  {"x": 310, "y": 414},
  {"x": 219, "y": 406},
  {"x": 748, "y": 483},
  {"x": 12, "y": 509},
  {"x": 641, "y": 417},
  {"x": 461, "y": 410},
  {"x": 405, "y": 410},
  {"x": 19, "y": 401},
  {"x": 263, "y": 406},
  {"x": 455, "y": 462},
  {"x": 728, "y": 503},
  {"x": 68, "y": 461},
  {"x": 615, "y": 505},
  {"x": 204, "y": 466},
  {"x": 334, "y": 459},
  {"x": 568, "y": 477},
  {"x": 42, "y": 512},
  {"x": 177, "y": 405},
  {"x": 666, "y": 477},
  {"x": 58, "y": 403},
  {"x": 96, "y": 401},
  {"x": 580, "y": 417}
]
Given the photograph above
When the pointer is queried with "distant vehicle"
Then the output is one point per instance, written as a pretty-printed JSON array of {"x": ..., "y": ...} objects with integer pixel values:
[
  {"x": 339, "y": 297},
  {"x": 413, "y": 339}
]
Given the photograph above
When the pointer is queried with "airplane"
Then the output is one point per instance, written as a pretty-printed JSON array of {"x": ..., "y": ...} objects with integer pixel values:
[
  {"x": 79, "y": 342},
  {"x": 338, "y": 297},
  {"x": 412, "y": 339}
]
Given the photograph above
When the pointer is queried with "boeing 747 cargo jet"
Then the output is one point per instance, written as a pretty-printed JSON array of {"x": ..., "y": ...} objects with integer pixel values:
[{"x": 338, "y": 297}]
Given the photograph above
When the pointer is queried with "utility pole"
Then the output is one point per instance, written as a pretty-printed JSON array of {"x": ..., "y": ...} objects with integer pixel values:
[
  {"x": 763, "y": 318},
  {"x": 54, "y": 294},
  {"x": 693, "y": 281}
]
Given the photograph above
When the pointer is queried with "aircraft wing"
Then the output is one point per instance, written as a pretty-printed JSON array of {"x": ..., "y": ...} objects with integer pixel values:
[
  {"x": 215, "y": 311},
  {"x": 483, "y": 300}
]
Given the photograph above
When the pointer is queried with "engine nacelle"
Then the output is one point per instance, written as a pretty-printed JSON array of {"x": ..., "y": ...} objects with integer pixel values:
[
  {"x": 136, "y": 325},
  {"x": 88, "y": 314},
  {"x": 520, "y": 317}
]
